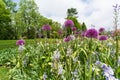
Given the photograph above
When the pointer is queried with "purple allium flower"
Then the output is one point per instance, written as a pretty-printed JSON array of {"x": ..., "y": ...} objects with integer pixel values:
[
  {"x": 46, "y": 27},
  {"x": 76, "y": 33},
  {"x": 20, "y": 42},
  {"x": 67, "y": 39},
  {"x": 103, "y": 37},
  {"x": 101, "y": 29},
  {"x": 83, "y": 33},
  {"x": 69, "y": 23},
  {"x": 91, "y": 33},
  {"x": 60, "y": 31},
  {"x": 73, "y": 28}
]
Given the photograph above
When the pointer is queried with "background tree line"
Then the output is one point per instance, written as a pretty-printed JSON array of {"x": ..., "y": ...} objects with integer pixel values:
[{"x": 24, "y": 20}]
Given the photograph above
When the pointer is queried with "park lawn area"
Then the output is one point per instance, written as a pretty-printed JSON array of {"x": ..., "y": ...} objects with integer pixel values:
[
  {"x": 4, "y": 44},
  {"x": 3, "y": 73}
]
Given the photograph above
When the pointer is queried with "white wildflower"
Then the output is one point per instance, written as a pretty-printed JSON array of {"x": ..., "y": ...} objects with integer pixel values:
[
  {"x": 21, "y": 48},
  {"x": 72, "y": 37},
  {"x": 75, "y": 59},
  {"x": 56, "y": 55},
  {"x": 69, "y": 51},
  {"x": 119, "y": 61},
  {"x": 60, "y": 69},
  {"x": 45, "y": 76},
  {"x": 74, "y": 73}
]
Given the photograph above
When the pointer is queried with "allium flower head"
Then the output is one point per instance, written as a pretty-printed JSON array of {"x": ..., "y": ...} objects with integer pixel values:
[
  {"x": 102, "y": 38},
  {"x": 91, "y": 33},
  {"x": 67, "y": 39},
  {"x": 83, "y": 33},
  {"x": 60, "y": 31},
  {"x": 101, "y": 29},
  {"x": 73, "y": 28},
  {"x": 76, "y": 33},
  {"x": 46, "y": 27},
  {"x": 69, "y": 23},
  {"x": 20, "y": 42}
]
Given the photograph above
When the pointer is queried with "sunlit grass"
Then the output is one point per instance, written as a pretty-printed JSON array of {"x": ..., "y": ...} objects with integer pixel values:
[
  {"x": 3, "y": 73},
  {"x": 4, "y": 44}
]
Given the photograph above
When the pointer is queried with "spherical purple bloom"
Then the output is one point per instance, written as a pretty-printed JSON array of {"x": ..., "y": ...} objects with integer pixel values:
[
  {"x": 83, "y": 33},
  {"x": 46, "y": 27},
  {"x": 69, "y": 23},
  {"x": 60, "y": 31},
  {"x": 77, "y": 33},
  {"x": 103, "y": 37},
  {"x": 101, "y": 29},
  {"x": 73, "y": 28},
  {"x": 20, "y": 42},
  {"x": 67, "y": 39},
  {"x": 91, "y": 33}
]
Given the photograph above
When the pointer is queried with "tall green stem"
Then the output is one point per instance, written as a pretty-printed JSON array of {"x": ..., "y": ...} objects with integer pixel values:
[{"x": 90, "y": 60}]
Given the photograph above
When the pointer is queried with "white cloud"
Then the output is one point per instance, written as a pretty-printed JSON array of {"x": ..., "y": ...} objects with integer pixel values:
[{"x": 95, "y": 12}]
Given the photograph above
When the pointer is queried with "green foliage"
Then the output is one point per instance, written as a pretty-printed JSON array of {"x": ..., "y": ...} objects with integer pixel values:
[
  {"x": 3, "y": 73},
  {"x": 83, "y": 26},
  {"x": 42, "y": 58},
  {"x": 6, "y": 31},
  {"x": 72, "y": 12},
  {"x": 10, "y": 5},
  {"x": 26, "y": 18}
]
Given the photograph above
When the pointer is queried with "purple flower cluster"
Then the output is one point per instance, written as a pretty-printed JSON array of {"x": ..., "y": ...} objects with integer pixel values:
[
  {"x": 69, "y": 23},
  {"x": 101, "y": 29},
  {"x": 46, "y": 27},
  {"x": 103, "y": 37},
  {"x": 73, "y": 28},
  {"x": 20, "y": 42},
  {"x": 60, "y": 31},
  {"x": 91, "y": 33},
  {"x": 67, "y": 39},
  {"x": 83, "y": 34}
]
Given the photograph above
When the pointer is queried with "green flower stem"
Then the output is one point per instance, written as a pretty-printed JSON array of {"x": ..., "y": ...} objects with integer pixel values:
[
  {"x": 117, "y": 54},
  {"x": 90, "y": 60}
]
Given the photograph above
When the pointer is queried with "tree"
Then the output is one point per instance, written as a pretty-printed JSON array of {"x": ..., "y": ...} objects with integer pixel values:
[
  {"x": 10, "y": 5},
  {"x": 28, "y": 17},
  {"x": 6, "y": 31},
  {"x": 83, "y": 26},
  {"x": 72, "y": 12}
]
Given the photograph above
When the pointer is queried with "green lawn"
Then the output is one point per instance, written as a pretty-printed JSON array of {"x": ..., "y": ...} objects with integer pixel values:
[
  {"x": 12, "y": 43},
  {"x": 3, "y": 73}
]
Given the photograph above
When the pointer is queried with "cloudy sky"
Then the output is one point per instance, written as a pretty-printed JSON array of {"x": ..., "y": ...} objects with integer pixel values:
[{"x": 92, "y": 12}]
